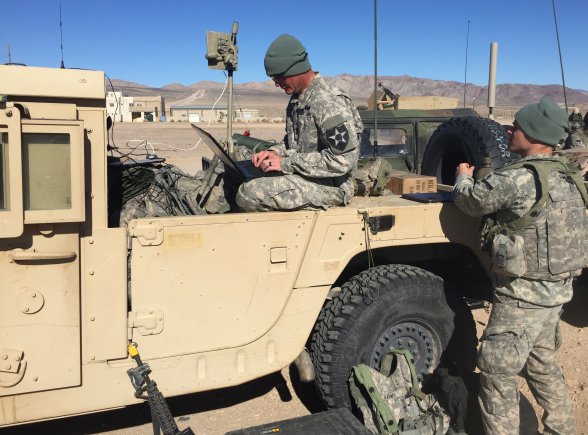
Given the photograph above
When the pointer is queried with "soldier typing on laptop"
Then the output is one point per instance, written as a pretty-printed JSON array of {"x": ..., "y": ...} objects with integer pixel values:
[{"x": 321, "y": 147}]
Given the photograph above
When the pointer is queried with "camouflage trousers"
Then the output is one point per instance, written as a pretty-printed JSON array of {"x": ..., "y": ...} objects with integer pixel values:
[
  {"x": 290, "y": 192},
  {"x": 521, "y": 335}
]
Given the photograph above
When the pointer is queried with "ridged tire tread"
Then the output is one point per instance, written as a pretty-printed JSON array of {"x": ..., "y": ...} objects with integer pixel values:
[
  {"x": 474, "y": 138},
  {"x": 339, "y": 338}
]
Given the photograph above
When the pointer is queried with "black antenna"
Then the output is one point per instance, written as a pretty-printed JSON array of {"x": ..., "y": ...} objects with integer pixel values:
[
  {"x": 563, "y": 80},
  {"x": 375, "y": 149},
  {"x": 61, "y": 36},
  {"x": 465, "y": 78}
]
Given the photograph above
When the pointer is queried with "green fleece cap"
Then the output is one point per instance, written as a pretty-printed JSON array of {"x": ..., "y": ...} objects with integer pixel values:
[
  {"x": 286, "y": 57},
  {"x": 545, "y": 121}
]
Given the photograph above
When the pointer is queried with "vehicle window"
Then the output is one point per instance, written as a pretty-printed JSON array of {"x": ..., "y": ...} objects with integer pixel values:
[
  {"x": 426, "y": 130},
  {"x": 430, "y": 132},
  {"x": 46, "y": 171},
  {"x": 391, "y": 142},
  {"x": 3, "y": 171}
]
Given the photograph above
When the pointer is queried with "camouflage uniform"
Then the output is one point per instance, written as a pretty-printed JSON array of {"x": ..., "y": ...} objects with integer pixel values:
[
  {"x": 320, "y": 152},
  {"x": 577, "y": 137},
  {"x": 523, "y": 329}
]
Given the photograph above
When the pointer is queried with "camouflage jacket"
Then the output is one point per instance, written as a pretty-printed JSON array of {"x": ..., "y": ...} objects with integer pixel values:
[
  {"x": 576, "y": 139},
  {"x": 510, "y": 194},
  {"x": 322, "y": 135}
]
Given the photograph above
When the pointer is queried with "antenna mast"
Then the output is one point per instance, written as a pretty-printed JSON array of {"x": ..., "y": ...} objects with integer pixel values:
[
  {"x": 9, "y": 60},
  {"x": 61, "y": 36},
  {"x": 465, "y": 78},
  {"x": 375, "y": 149},
  {"x": 563, "y": 80},
  {"x": 231, "y": 65},
  {"x": 221, "y": 53}
]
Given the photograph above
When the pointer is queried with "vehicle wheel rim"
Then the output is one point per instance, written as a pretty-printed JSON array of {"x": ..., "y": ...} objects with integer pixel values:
[{"x": 420, "y": 339}]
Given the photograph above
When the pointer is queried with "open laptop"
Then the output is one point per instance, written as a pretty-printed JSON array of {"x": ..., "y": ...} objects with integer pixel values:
[{"x": 243, "y": 168}]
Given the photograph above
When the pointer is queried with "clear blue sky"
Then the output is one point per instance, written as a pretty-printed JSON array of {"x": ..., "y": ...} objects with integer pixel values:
[{"x": 160, "y": 42}]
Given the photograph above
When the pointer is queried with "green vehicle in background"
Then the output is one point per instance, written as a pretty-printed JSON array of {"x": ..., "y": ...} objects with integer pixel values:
[
  {"x": 425, "y": 141},
  {"x": 403, "y": 134},
  {"x": 430, "y": 135}
]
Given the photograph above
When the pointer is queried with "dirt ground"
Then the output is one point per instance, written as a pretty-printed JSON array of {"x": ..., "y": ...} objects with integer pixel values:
[
  {"x": 178, "y": 142},
  {"x": 280, "y": 396}
]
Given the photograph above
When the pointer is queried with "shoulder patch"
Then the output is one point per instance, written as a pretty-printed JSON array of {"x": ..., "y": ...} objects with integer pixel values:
[
  {"x": 338, "y": 137},
  {"x": 336, "y": 133}
]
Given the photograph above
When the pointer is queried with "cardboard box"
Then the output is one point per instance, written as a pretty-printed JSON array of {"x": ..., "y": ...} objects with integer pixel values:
[{"x": 407, "y": 182}]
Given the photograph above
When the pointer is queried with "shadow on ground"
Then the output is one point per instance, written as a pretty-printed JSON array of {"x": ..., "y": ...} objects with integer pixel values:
[
  {"x": 137, "y": 415},
  {"x": 306, "y": 392},
  {"x": 575, "y": 310}
]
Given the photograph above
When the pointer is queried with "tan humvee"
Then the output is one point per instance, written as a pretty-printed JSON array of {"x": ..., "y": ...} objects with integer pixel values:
[{"x": 212, "y": 300}]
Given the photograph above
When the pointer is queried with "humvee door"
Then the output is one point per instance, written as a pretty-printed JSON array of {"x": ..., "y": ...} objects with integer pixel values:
[
  {"x": 204, "y": 283},
  {"x": 41, "y": 207}
]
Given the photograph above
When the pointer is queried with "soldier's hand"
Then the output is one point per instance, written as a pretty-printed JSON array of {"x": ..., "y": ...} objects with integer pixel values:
[
  {"x": 267, "y": 161},
  {"x": 464, "y": 168}
]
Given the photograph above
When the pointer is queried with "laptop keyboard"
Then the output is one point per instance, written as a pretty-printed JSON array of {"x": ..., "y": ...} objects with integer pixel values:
[{"x": 250, "y": 172}]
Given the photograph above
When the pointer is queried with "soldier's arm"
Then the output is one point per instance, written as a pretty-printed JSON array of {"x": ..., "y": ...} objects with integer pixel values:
[
  {"x": 494, "y": 192},
  {"x": 280, "y": 149},
  {"x": 339, "y": 157}
]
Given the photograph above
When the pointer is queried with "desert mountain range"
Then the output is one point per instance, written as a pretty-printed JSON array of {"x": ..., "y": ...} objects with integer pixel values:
[{"x": 264, "y": 94}]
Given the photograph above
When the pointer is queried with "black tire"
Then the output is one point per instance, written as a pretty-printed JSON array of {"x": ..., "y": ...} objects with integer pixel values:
[
  {"x": 467, "y": 139},
  {"x": 390, "y": 306}
]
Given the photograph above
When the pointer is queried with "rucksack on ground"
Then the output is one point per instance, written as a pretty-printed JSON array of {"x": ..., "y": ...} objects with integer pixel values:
[{"x": 391, "y": 400}]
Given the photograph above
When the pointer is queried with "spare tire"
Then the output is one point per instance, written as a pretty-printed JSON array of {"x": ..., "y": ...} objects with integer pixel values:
[
  {"x": 467, "y": 139},
  {"x": 390, "y": 306}
]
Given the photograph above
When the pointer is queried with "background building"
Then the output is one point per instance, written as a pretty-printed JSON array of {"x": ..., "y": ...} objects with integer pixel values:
[
  {"x": 198, "y": 113},
  {"x": 246, "y": 115},
  {"x": 123, "y": 108},
  {"x": 206, "y": 113},
  {"x": 117, "y": 106},
  {"x": 147, "y": 109}
]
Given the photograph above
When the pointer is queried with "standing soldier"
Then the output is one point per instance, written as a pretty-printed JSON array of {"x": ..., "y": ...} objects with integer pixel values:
[
  {"x": 321, "y": 147},
  {"x": 535, "y": 227},
  {"x": 577, "y": 137}
]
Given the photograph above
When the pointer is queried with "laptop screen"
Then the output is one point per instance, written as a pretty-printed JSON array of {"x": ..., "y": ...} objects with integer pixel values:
[{"x": 216, "y": 148}]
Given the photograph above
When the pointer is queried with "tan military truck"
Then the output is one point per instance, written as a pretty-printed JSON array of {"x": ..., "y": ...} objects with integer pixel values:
[{"x": 211, "y": 300}]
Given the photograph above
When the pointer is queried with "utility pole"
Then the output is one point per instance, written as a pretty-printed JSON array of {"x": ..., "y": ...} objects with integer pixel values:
[{"x": 492, "y": 79}]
